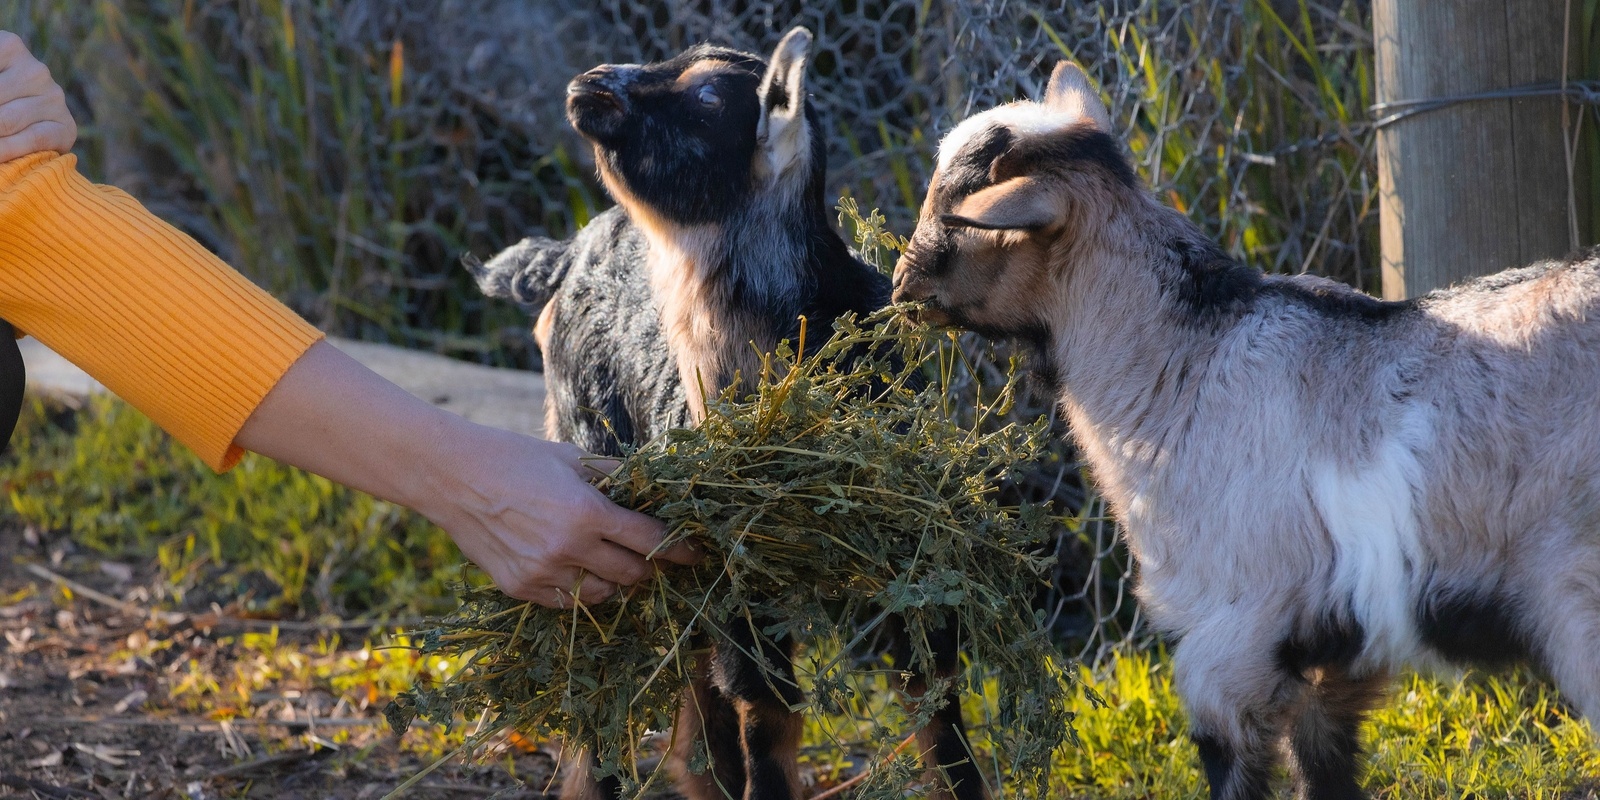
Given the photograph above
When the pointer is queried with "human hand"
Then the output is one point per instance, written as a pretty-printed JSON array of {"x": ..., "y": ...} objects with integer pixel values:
[
  {"x": 33, "y": 108},
  {"x": 523, "y": 509}
]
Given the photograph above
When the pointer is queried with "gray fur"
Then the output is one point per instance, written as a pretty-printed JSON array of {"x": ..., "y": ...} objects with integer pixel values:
[
  {"x": 609, "y": 378},
  {"x": 1318, "y": 487},
  {"x": 658, "y": 304}
]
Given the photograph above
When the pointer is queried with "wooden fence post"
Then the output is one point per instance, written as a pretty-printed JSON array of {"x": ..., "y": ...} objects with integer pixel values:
[{"x": 1477, "y": 186}]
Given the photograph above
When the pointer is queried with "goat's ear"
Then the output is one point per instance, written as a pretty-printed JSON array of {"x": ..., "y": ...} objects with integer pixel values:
[
  {"x": 1019, "y": 204},
  {"x": 783, "y": 137},
  {"x": 1071, "y": 93}
]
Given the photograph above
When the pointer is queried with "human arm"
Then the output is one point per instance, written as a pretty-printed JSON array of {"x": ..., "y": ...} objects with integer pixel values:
[
  {"x": 521, "y": 508},
  {"x": 221, "y": 365}
]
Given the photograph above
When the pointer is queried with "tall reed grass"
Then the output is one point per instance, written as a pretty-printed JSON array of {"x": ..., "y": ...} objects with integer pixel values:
[
  {"x": 323, "y": 147},
  {"x": 317, "y": 158}
]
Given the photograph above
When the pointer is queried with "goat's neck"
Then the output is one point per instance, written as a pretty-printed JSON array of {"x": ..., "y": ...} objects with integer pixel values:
[
  {"x": 1129, "y": 348},
  {"x": 728, "y": 293}
]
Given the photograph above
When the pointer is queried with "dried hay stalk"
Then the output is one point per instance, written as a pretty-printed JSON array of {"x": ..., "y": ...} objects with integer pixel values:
[{"x": 847, "y": 489}]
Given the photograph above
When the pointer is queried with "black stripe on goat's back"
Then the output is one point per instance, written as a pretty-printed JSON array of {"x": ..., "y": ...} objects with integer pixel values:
[
  {"x": 1473, "y": 627},
  {"x": 1210, "y": 283},
  {"x": 1583, "y": 260},
  {"x": 1332, "y": 300}
]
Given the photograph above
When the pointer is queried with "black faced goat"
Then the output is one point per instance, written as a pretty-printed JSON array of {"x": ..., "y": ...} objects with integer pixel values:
[{"x": 721, "y": 242}]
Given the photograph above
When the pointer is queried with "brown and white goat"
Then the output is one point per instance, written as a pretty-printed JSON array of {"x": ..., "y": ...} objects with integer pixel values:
[
  {"x": 724, "y": 241},
  {"x": 1318, "y": 486}
]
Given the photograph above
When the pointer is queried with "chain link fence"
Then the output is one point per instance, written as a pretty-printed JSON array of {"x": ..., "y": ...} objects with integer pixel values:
[
  {"x": 347, "y": 153},
  {"x": 1250, "y": 116}
]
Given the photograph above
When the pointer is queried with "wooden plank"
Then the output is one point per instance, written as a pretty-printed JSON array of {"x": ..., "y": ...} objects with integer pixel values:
[
  {"x": 1479, "y": 186},
  {"x": 502, "y": 398}
]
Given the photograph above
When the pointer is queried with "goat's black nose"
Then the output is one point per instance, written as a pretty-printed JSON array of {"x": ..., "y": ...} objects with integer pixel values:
[
  {"x": 598, "y": 98},
  {"x": 607, "y": 79},
  {"x": 906, "y": 287}
]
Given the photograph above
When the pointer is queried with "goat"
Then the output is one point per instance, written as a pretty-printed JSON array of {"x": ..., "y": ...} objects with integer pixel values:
[
  {"x": 1318, "y": 486},
  {"x": 609, "y": 377},
  {"x": 713, "y": 159}
]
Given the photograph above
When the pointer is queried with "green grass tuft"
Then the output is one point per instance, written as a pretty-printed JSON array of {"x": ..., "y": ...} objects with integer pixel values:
[{"x": 1472, "y": 736}]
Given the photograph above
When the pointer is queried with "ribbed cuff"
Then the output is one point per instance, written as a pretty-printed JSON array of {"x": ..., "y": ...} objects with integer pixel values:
[{"x": 140, "y": 306}]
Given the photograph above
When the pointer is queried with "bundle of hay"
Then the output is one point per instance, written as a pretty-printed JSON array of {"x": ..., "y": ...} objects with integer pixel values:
[{"x": 847, "y": 488}]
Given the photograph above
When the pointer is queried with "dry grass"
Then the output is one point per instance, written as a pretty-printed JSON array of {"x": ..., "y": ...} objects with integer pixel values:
[{"x": 844, "y": 499}]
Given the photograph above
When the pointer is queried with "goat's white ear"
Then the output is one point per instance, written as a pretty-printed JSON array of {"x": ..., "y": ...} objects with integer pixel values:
[
  {"x": 1071, "y": 93},
  {"x": 1019, "y": 204},
  {"x": 783, "y": 138}
]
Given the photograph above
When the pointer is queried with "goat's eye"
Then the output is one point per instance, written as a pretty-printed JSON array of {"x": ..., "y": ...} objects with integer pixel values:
[{"x": 708, "y": 96}]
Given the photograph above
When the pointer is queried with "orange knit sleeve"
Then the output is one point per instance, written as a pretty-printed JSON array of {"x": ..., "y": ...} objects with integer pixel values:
[{"x": 139, "y": 305}]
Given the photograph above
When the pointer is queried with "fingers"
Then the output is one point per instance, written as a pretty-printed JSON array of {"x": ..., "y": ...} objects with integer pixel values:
[
  {"x": 682, "y": 553},
  {"x": 637, "y": 532},
  {"x": 540, "y": 526},
  {"x": 22, "y": 113},
  {"x": 33, "y": 109},
  {"x": 11, "y": 49},
  {"x": 25, "y": 76},
  {"x": 594, "y": 590},
  {"x": 642, "y": 534},
  {"x": 38, "y": 138},
  {"x": 616, "y": 564},
  {"x": 590, "y": 467}
]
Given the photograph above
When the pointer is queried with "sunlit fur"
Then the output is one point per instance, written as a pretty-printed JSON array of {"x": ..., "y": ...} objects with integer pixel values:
[
  {"x": 721, "y": 242},
  {"x": 1319, "y": 487}
]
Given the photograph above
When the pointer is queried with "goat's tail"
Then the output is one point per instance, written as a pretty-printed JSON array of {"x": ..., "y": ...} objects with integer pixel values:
[{"x": 528, "y": 272}]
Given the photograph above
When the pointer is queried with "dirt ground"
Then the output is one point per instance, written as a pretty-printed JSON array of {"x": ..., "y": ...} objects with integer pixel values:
[{"x": 89, "y": 708}]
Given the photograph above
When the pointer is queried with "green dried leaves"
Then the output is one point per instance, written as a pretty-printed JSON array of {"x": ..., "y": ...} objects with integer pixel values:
[{"x": 843, "y": 490}]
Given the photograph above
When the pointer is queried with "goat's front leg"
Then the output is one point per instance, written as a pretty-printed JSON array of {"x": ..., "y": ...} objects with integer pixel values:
[
  {"x": 943, "y": 744},
  {"x": 1240, "y": 700},
  {"x": 708, "y": 716},
  {"x": 769, "y": 731},
  {"x": 579, "y": 782}
]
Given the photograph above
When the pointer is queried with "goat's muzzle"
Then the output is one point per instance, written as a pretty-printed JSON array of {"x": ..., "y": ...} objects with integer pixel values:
[
  {"x": 911, "y": 286},
  {"x": 598, "y": 99},
  {"x": 908, "y": 284}
]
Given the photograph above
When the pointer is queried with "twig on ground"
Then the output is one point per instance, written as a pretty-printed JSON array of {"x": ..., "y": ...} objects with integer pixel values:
[
  {"x": 206, "y": 726},
  {"x": 115, "y": 756},
  {"x": 467, "y": 788},
  {"x": 102, "y": 597},
  {"x": 213, "y": 620},
  {"x": 42, "y": 788},
  {"x": 268, "y": 763},
  {"x": 292, "y": 626}
]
